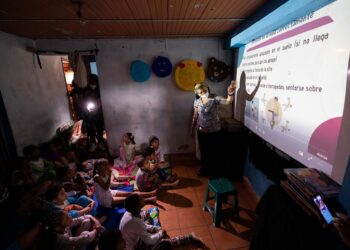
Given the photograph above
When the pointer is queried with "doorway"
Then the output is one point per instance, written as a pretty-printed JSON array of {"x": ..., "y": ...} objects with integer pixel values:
[
  {"x": 91, "y": 68},
  {"x": 77, "y": 94},
  {"x": 69, "y": 76}
]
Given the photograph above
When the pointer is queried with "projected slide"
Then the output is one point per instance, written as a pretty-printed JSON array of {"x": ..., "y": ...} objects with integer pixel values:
[{"x": 298, "y": 105}]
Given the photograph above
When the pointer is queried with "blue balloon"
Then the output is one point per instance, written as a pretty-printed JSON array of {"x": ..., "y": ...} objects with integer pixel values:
[
  {"x": 140, "y": 71},
  {"x": 161, "y": 66}
]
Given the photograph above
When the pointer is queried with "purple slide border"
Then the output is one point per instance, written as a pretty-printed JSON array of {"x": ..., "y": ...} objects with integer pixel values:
[{"x": 301, "y": 29}]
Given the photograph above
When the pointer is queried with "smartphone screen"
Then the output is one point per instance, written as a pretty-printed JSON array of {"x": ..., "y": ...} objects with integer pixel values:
[{"x": 326, "y": 214}]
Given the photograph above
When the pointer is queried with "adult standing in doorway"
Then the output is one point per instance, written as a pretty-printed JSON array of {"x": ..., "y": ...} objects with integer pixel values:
[
  {"x": 77, "y": 95},
  {"x": 92, "y": 113},
  {"x": 206, "y": 122}
]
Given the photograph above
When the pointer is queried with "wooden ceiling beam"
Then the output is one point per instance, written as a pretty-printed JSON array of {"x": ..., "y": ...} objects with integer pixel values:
[{"x": 126, "y": 20}]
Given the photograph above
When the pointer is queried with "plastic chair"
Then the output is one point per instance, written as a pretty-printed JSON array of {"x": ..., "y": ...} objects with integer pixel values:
[{"x": 222, "y": 189}]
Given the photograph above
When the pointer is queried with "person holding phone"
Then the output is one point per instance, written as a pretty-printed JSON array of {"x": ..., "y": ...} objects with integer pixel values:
[
  {"x": 206, "y": 122},
  {"x": 340, "y": 221},
  {"x": 323, "y": 209}
]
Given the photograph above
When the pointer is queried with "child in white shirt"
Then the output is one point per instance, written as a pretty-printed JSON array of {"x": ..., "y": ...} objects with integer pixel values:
[{"x": 134, "y": 230}]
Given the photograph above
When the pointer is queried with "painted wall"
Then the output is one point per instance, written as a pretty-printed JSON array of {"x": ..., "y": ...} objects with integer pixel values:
[
  {"x": 157, "y": 107},
  {"x": 35, "y": 99}
]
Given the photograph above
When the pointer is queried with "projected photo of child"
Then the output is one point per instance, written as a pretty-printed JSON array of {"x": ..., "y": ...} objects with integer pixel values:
[
  {"x": 273, "y": 112},
  {"x": 252, "y": 109}
]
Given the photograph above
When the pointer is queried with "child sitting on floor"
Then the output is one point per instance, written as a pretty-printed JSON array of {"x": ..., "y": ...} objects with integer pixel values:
[
  {"x": 73, "y": 182},
  {"x": 102, "y": 183},
  {"x": 127, "y": 153},
  {"x": 134, "y": 230},
  {"x": 119, "y": 180},
  {"x": 139, "y": 235},
  {"x": 87, "y": 230},
  {"x": 41, "y": 169},
  {"x": 147, "y": 177},
  {"x": 74, "y": 206},
  {"x": 164, "y": 169},
  {"x": 22, "y": 174},
  {"x": 58, "y": 153}
]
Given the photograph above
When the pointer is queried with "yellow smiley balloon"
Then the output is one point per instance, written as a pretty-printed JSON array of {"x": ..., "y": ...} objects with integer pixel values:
[{"x": 188, "y": 73}]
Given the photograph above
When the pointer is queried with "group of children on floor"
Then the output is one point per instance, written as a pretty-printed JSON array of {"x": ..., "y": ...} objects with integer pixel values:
[{"x": 53, "y": 199}]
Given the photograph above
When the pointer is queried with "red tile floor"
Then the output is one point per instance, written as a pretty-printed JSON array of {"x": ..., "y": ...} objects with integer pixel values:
[{"x": 181, "y": 209}]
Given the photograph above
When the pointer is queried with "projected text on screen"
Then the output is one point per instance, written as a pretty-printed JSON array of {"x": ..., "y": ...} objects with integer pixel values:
[{"x": 298, "y": 104}]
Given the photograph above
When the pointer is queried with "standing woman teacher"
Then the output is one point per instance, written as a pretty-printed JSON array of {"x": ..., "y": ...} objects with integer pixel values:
[{"x": 206, "y": 121}]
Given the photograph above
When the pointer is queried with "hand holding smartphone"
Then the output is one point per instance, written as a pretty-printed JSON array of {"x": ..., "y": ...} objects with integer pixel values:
[{"x": 322, "y": 209}]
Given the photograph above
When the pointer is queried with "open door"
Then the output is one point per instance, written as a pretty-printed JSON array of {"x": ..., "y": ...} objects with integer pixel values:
[
  {"x": 69, "y": 76},
  {"x": 76, "y": 93}
]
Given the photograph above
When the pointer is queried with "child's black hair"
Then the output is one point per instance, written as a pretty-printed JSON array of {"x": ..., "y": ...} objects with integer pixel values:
[
  {"x": 152, "y": 139},
  {"x": 110, "y": 160},
  {"x": 61, "y": 172},
  {"x": 53, "y": 191},
  {"x": 132, "y": 203},
  {"x": 147, "y": 152},
  {"x": 98, "y": 164},
  {"x": 131, "y": 137}
]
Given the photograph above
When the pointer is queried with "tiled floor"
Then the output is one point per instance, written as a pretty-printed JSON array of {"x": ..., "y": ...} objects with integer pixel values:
[{"x": 181, "y": 210}]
